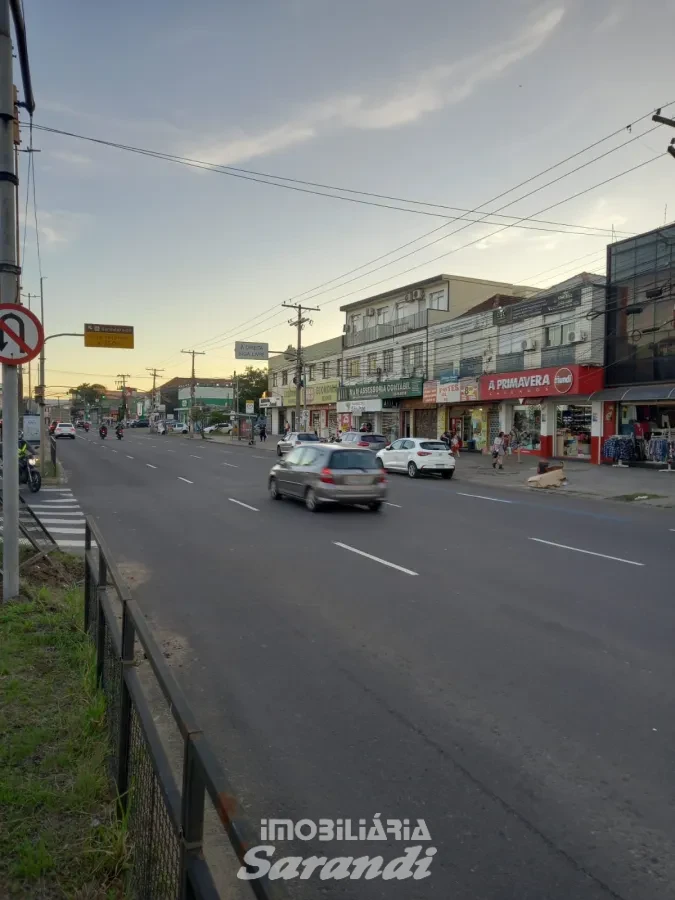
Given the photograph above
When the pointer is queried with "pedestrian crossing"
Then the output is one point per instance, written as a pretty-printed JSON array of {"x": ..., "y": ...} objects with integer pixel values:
[{"x": 60, "y": 513}]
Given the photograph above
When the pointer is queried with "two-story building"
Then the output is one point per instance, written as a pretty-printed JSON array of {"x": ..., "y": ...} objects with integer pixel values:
[
  {"x": 527, "y": 368},
  {"x": 322, "y": 371},
  {"x": 386, "y": 350}
]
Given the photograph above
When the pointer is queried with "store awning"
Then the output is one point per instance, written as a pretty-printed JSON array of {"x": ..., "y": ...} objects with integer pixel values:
[{"x": 641, "y": 393}]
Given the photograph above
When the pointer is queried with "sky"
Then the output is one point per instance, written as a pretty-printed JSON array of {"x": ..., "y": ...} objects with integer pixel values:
[{"x": 439, "y": 101}]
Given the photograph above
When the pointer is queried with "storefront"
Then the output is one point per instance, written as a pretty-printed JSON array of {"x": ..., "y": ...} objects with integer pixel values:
[
  {"x": 460, "y": 412},
  {"x": 318, "y": 408},
  {"x": 547, "y": 411},
  {"x": 638, "y": 424},
  {"x": 379, "y": 405}
]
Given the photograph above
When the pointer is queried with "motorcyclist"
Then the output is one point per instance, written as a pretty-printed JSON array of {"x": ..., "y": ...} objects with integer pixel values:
[
  {"x": 24, "y": 450},
  {"x": 119, "y": 429},
  {"x": 103, "y": 431}
]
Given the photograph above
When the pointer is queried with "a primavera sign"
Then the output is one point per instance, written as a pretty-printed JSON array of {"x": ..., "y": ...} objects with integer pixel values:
[{"x": 549, "y": 382}]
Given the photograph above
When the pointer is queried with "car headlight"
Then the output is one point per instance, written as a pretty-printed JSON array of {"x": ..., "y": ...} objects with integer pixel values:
[{"x": 32, "y": 461}]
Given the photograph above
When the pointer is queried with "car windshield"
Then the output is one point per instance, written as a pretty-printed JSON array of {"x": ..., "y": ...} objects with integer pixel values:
[
  {"x": 307, "y": 437},
  {"x": 433, "y": 445},
  {"x": 353, "y": 459},
  {"x": 373, "y": 438}
]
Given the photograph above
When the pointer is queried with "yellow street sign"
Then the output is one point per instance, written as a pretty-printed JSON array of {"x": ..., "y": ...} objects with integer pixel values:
[{"x": 119, "y": 337}]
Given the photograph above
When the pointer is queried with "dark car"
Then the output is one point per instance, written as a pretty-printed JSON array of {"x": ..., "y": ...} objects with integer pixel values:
[
  {"x": 140, "y": 423},
  {"x": 322, "y": 474},
  {"x": 294, "y": 439},
  {"x": 364, "y": 439}
]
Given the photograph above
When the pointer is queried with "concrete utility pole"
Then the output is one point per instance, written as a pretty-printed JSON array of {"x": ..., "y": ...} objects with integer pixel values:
[
  {"x": 193, "y": 353},
  {"x": 299, "y": 321},
  {"x": 123, "y": 380},
  {"x": 9, "y": 281},
  {"x": 41, "y": 388},
  {"x": 30, "y": 297},
  {"x": 154, "y": 373}
]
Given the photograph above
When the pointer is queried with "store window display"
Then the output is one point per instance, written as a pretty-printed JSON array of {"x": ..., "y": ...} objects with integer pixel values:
[
  {"x": 526, "y": 431},
  {"x": 573, "y": 431}
]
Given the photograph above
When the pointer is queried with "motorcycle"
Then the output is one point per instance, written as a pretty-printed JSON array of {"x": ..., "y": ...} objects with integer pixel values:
[
  {"x": 103, "y": 433},
  {"x": 86, "y": 426},
  {"x": 28, "y": 474},
  {"x": 119, "y": 434}
]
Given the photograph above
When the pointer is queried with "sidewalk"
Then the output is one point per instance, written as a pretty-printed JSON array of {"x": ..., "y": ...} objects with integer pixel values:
[
  {"x": 649, "y": 487},
  {"x": 602, "y": 482}
]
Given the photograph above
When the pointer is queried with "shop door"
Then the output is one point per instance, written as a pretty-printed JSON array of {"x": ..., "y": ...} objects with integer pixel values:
[
  {"x": 425, "y": 423},
  {"x": 390, "y": 423},
  {"x": 493, "y": 424},
  {"x": 405, "y": 423},
  {"x": 332, "y": 423}
]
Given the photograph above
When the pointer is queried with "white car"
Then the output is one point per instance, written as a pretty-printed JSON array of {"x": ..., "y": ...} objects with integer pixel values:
[
  {"x": 418, "y": 456},
  {"x": 222, "y": 427},
  {"x": 64, "y": 430},
  {"x": 179, "y": 428}
]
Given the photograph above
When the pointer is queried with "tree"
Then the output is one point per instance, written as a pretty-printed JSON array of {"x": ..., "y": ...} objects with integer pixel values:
[
  {"x": 252, "y": 384},
  {"x": 218, "y": 418},
  {"x": 198, "y": 415},
  {"x": 89, "y": 394}
]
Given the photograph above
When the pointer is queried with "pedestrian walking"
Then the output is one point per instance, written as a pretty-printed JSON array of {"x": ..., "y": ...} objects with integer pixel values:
[
  {"x": 263, "y": 433},
  {"x": 498, "y": 451}
]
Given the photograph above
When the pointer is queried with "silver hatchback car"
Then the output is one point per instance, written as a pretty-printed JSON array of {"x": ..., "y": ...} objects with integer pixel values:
[{"x": 321, "y": 474}]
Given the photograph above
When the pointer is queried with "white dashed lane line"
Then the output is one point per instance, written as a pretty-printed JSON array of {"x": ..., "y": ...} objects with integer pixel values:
[
  {"x": 186, "y": 480},
  {"x": 245, "y": 505},
  {"x": 481, "y": 497},
  {"x": 383, "y": 562},
  {"x": 129, "y": 457},
  {"x": 386, "y": 503},
  {"x": 150, "y": 466},
  {"x": 629, "y": 562},
  {"x": 194, "y": 456},
  {"x": 231, "y": 465}
]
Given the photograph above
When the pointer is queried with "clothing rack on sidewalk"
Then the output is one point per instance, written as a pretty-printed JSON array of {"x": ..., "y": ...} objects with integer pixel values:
[
  {"x": 622, "y": 448},
  {"x": 662, "y": 447}
]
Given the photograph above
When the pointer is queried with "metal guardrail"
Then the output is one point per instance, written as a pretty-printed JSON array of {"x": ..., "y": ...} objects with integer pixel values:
[
  {"x": 166, "y": 822},
  {"x": 52, "y": 450}
]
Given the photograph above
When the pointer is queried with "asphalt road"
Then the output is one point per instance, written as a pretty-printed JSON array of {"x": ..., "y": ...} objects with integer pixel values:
[{"x": 516, "y": 695}]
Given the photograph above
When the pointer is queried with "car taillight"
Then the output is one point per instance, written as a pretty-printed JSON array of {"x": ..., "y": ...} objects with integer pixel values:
[
  {"x": 362, "y": 444},
  {"x": 381, "y": 479},
  {"x": 298, "y": 443},
  {"x": 424, "y": 452},
  {"x": 326, "y": 476}
]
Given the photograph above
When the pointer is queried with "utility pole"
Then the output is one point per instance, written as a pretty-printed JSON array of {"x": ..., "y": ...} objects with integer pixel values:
[
  {"x": 299, "y": 321},
  {"x": 154, "y": 373},
  {"x": 193, "y": 353},
  {"x": 9, "y": 281},
  {"x": 30, "y": 297},
  {"x": 663, "y": 120},
  {"x": 123, "y": 380},
  {"x": 41, "y": 389}
]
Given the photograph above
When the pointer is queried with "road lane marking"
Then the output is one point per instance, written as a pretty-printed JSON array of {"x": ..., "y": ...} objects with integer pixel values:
[
  {"x": 114, "y": 451},
  {"x": 58, "y": 510},
  {"x": 180, "y": 478},
  {"x": 129, "y": 457},
  {"x": 60, "y": 530},
  {"x": 384, "y": 562},
  {"x": 73, "y": 521},
  {"x": 62, "y": 500},
  {"x": 72, "y": 543},
  {"x": 239, "y": 503},
  {"x": 150, "y": 466},
  {"x": 386, "y": 503},
  {"x": 194, "y": 456},
  {"x": 231, "y": 465},
  {"x": 629, "y": 562},
  {"x": 259, "y": 457},
  {"x": 170, "y": 451},
  {"x": 481, "y": 497}
]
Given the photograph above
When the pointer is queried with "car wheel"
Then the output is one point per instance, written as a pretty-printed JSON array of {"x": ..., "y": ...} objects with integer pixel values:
[
  {"x": 278, "y": 451},
  {"x": 311, "y": 502},
  {"x": 412, "y": 470},
  {"x": 275, "y": 493},
  {"x": 375, "y": 506},
  {"x": 447, "y": 475}
]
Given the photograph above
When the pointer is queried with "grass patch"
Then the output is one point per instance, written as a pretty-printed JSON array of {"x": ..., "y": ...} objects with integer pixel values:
[
  {"x": 59, "y": 832},
  {"x": 632, "y": 498}
]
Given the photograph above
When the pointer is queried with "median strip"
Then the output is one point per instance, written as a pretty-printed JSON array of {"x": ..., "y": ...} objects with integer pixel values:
[
  {"x": 383, "y": 562},
  {"x": 245, "y": 505}
]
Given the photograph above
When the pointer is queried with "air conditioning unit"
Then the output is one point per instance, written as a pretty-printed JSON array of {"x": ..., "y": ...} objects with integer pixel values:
[
  {"x": 370, "y": 311},
  {"x": 529, "y": 344},
  {"x": 409, "y": 298},
  {"x": 571, "y": 337},
  {"x": 418, "y": 294},
  {"x": 583, "y": 336}
]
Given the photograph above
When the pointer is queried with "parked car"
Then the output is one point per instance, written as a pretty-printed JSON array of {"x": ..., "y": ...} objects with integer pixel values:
[
  {"x": 320, "y": 474},
  {"x": 364, "y": 439},
  {"x": 418, "y": 456},
  {"x": 140, "y": 423},
  {"x": 64, "y": 429},
  {"x": 179, "y": 428},
  {"x": 221, "y": 427},
  {"x": 295, "y": 439}
]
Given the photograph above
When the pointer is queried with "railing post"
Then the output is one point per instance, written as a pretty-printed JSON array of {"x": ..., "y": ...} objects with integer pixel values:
[
  {"x": 101, "y": 588},
  {"x": 124, "y": 737},
  {"x": 87, "y": 575},
  {"x": 192, "y": 811}
]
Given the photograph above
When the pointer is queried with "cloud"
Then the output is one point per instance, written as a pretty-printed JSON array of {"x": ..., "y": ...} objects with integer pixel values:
[
  {"x": 61, "y": 226},
  {"x": 432, "y": 90},
  {"x": 613, "y": 18}
]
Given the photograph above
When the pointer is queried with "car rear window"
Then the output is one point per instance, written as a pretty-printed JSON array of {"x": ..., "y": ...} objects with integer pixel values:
[
  {"x": 307, "y": 437},
  {"x": 373, "y": 438},
  {"x": 433, "y": 445},
  {"x": 353, "y": 459}
]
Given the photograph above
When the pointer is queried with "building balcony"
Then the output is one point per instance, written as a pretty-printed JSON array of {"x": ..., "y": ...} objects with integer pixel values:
[{"x": 390, "y": 330}]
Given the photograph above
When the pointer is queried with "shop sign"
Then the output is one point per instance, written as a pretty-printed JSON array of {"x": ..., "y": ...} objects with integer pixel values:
[
  {"x": 401, "y": 387},
  {"x": 468, "y": 390},
  {"x": 429, "y": 391},
  {"x": 448, "y": 393},
  {"x": 356, "y": 407},
  {"x": 561, "y": 301},
  {"x": 547, "y": 382},
  {"x": 324, "y": 392},
  {"x": 448, "y": 376}
]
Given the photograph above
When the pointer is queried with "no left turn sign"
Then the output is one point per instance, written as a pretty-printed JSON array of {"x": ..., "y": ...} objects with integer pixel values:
[{"x": 21, "y": 334}]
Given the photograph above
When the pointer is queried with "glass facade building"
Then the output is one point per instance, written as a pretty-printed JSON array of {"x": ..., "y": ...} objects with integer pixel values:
[{"x": 640, "y": 320}]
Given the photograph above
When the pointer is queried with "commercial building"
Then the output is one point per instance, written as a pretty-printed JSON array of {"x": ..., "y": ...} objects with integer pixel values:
[
  {"x": 322, "y": 371},
  {"x": 638, "y": 412}
]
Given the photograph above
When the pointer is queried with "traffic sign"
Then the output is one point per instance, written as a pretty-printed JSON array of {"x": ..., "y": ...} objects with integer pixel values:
[
  {"x": 250, "y": 407},
  {"x": 120, "y": 337},
  {"x": 249, "y": 350},
  {"x": 21, "y": 334}
]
